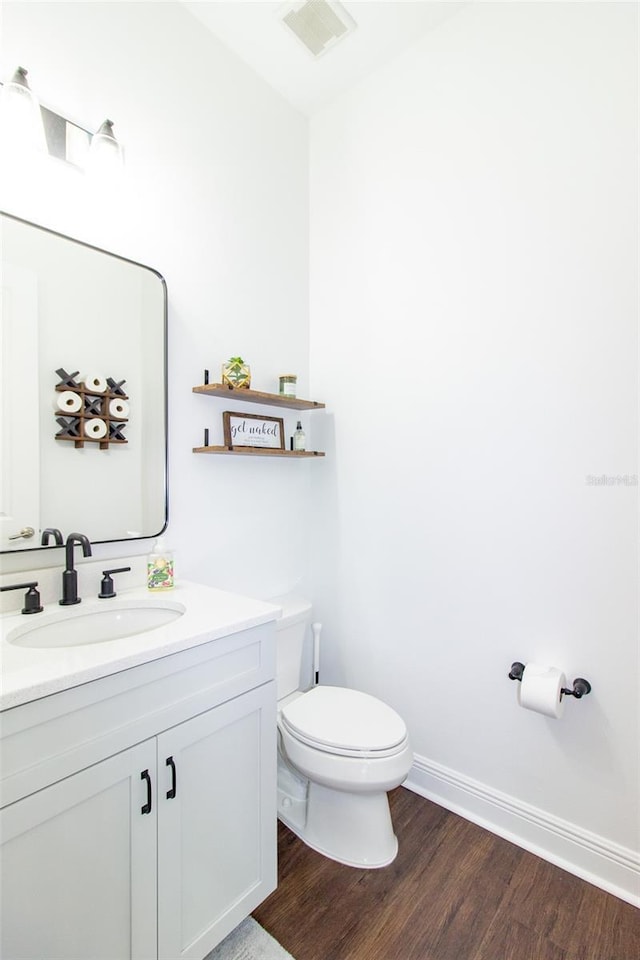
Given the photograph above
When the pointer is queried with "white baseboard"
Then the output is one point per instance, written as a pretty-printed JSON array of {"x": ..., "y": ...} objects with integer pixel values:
[{"x": 607, "y": 865}]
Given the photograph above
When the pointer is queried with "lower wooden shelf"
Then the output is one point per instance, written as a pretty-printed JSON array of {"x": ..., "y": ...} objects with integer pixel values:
[{"x": 258, "y": 452}]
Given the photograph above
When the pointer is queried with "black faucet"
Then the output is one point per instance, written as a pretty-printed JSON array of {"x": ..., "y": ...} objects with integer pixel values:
[
  {"x": 70, "y": 575},
  {"x": 51, "y": 532}
]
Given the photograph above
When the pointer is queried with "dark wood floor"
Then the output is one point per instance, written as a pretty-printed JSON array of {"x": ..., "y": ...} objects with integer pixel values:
[{"x": 455, "y": 892}]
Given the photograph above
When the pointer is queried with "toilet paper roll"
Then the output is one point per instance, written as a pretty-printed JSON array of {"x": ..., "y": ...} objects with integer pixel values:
[
  {"x": 118, "y": 409},
  {"x": 68, "y": 401},
  {"x": 94, "y": 383},
  {"x": 95, "y": 428},
  {"x": 541, "y": 690}
]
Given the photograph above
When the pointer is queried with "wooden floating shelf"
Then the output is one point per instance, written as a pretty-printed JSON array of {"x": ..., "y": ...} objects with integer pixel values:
[
  {"x": 256, "y": 396},
  {"x": 258, "y": 452}
]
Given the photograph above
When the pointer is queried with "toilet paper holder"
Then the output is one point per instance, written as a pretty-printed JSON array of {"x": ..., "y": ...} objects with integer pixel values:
[{"x": 581, "y": 687}]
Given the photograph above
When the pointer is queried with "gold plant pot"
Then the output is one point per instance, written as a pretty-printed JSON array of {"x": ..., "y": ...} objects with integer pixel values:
[{"x": 236, "y": 374}]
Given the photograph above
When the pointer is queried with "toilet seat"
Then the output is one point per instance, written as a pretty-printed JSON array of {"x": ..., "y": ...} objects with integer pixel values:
[{"x": 345, "y": 722}]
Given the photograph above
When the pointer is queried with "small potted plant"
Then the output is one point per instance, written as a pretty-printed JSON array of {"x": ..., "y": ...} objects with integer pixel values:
[{"x": 236, "y": 373}]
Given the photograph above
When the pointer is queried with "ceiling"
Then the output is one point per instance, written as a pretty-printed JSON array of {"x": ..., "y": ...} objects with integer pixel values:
[{"x": 254, "y": 31}]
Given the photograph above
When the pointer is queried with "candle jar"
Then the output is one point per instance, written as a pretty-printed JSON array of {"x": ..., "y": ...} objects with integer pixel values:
[{"x": 288, "y": 383}]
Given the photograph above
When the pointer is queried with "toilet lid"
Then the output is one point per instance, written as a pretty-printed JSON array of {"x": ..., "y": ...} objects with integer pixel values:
[{"x": 337, "y": 718}]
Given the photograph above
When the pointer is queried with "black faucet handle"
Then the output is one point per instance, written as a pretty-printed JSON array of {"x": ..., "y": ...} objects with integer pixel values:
[
  {"x": 106, "y": 587},
  {"x": 31, "y": 598}
]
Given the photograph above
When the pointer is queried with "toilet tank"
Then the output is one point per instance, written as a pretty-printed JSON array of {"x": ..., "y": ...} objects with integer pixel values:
[{"x": 292, "y": 629}]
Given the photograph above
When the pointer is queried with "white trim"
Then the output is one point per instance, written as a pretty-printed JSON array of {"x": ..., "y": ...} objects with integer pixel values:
[{"x": 589, "y": 856}]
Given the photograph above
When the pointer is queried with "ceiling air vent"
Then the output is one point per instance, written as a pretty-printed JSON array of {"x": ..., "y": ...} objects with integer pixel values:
[{"x": 318, "y": 24}]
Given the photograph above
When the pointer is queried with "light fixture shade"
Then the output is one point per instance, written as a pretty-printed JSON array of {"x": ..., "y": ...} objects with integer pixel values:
[
  {"x": 21, "y": 117},
  {"x": 105, "y": 153}
]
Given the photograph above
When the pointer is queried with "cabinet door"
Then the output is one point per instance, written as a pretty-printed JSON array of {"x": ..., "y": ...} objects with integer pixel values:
[
  {"x": 79, "y": 865},
  {"x": 217, "y": 835}
]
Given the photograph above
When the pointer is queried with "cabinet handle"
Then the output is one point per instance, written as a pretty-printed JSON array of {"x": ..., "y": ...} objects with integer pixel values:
[
  {"x": 172, "y": 792},
  {"x": 146, "y": 808}
]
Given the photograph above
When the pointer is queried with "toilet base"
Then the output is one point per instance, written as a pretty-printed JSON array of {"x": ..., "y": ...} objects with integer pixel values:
[{"x": 352, "y": 828}]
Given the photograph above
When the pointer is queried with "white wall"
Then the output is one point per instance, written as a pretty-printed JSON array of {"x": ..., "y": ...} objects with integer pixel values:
[
  {"x": 474, "y": 306},
  {"x": 215, "y": 197}
]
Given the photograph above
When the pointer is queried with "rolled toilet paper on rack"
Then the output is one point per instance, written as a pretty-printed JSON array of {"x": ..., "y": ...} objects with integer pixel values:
[
  {"x": 94, "y": 383},
  {"x": 118, "y": 409},
  {"x": 541, "y": 690},
  {"x": 95, "y": 428},
  {"x": 68, "y": 401}
]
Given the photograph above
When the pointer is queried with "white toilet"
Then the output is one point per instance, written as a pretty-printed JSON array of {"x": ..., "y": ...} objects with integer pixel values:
[{"x": 339, "y": 752}]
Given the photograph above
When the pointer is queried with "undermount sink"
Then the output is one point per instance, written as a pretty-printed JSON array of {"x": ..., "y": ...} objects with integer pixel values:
[{"x": 84, "y": 625}]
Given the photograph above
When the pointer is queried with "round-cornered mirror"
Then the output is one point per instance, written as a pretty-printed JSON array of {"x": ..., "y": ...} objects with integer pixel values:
[{"x": 83, "y": 417}]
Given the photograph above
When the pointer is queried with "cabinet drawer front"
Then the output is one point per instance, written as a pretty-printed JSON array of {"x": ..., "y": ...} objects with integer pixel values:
[{"x": 52, "y": 738}]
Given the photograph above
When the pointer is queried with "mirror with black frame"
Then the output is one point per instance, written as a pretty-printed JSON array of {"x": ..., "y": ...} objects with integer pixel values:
[{"x": 83, "y": 398}]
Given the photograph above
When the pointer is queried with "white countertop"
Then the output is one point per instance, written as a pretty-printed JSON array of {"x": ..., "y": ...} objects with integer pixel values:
[{"x": 28, "y": 673}]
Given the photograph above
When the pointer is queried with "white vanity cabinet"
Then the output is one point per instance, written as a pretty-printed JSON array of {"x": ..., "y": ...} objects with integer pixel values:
[
  {"x": 79, "y": 866},
  {"x": 212, "y": 841},
  {"x": 138, "y": 811}
]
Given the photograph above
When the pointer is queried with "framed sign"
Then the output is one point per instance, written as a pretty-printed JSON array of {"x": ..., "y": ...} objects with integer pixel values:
[{"x": 249, "y": 430}]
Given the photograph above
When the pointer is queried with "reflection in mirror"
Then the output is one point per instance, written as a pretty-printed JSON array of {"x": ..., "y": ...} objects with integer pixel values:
[{"x": 83, "y": 395}]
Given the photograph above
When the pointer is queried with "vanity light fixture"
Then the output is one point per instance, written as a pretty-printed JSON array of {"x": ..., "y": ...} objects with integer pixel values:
[
  {"x": 105, "y": 153},
  {"x": 22, "y": 122},
  {"x": 26, "y": 125}
]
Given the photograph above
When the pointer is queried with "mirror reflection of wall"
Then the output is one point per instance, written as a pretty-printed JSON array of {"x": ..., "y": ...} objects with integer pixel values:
[{"x": 68, "y": 305}]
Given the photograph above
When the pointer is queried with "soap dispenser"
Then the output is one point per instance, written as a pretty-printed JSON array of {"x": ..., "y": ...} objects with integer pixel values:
[
  {"x": 160, "y": 567},
  {"x": 299, "y": 438}
]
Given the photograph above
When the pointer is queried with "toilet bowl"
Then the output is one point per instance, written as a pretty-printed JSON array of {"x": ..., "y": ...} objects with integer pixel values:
[{"x": 339, "y": 752}]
